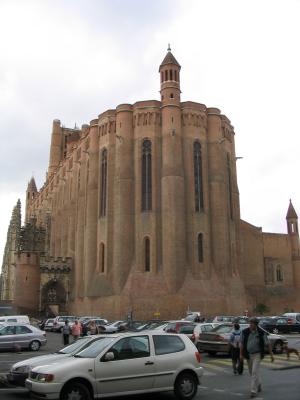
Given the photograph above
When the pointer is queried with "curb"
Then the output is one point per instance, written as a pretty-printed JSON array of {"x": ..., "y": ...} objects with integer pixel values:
[{"x": 284, "y": 368}]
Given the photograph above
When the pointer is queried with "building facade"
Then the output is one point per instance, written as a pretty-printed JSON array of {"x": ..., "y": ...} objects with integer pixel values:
[{"x": 140, "y": 212}]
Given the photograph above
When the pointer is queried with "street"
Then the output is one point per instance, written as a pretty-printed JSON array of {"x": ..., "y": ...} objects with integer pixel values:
[{"x": 280, "y": 380}]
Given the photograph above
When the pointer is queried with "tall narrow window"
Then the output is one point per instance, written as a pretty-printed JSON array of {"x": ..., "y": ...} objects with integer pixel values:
[
  {"x": 229, "y": 187},
  {"x": 103, "y": 184},
  {"x": 279, "y": 276},
  {"x": 146, "y": 176},
  {"x": 147, "y": 254},
  {"x": 102, "y": 257},
  {"x": 198, "y": 177},
  {"x": 200, "y": 247}
]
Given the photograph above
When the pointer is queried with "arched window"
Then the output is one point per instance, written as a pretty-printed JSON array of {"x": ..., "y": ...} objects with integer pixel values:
[
  {"x": 175, "y": 75},
  {"x": 279, "y": 275},
  {"x": 198, "y": 177},
  {"x": 102, "y": 257},
  {"x": 229, "y": 186},
  {"x": 166, "y": 75},
  {"x": 103, "y": 183},
  {"x": 171, "y": 74},
  {"x": 161, "y": 76},
  {"x": 147, "y": 254},
  {"x": 146, "y": 176},
  {"x": 200, "y": 247}
]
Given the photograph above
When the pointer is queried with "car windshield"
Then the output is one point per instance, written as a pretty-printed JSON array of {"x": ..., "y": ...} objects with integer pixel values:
[
  {"x": 74, "y": 346},
  {"x": 95, "y": 348},
  {"x": 222, "y": 329}
]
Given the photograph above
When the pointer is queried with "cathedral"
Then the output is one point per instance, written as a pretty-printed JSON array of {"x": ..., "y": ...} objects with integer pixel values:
[{"x": 140, "y": 213}]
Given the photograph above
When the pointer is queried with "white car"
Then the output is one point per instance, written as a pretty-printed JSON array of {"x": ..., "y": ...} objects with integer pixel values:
[
  {"x": 59, "y": 322},
  {"x": 113, "y": 326},
  {"x": 122, "y": 364},
  {"x": 19, "y": 372}
]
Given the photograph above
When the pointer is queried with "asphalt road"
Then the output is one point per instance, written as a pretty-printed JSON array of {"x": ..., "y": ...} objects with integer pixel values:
[{"x": 280, "y": 380}]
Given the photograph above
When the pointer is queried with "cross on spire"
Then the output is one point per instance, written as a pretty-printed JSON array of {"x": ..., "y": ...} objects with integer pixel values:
[{"x": 169, "y": 47}]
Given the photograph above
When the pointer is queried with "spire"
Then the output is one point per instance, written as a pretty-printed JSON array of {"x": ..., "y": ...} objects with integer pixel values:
[
  {"x": 31, "y": 185},
  {"x": 169, "y": 59},
  {"x": 291, "y": 213}
]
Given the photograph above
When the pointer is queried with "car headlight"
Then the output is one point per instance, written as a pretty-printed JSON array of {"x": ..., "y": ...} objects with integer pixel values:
[
  {"x": 44, "y": 377},
  {"x": 23, "y": 369}
]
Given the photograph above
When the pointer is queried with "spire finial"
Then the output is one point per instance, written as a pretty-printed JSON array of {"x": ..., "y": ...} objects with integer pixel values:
[{"x": 169, "y": 47}]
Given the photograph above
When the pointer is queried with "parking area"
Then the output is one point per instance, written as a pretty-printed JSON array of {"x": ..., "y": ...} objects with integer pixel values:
[{"x": 218, "y": 381}]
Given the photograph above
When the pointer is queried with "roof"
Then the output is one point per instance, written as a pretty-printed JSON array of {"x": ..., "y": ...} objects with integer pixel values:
[
  {"x": 169, "y": 59},
  {"x": 291, "y": 213}
]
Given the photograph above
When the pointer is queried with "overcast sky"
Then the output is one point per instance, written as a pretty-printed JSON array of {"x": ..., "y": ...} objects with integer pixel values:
[{"x": 73, "y": 59}]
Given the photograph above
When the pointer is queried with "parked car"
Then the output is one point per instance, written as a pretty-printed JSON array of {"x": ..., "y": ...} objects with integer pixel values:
[
  {"x": 122, "y": 364},
  {"x": 280, "y": 325},
  {"x": 217, "y": 341},
  {"x": 24, "y": 336},
  {"x": 174, "y": 326},
  {"x": 113, "y": 326},
  {"x": 202, "y": 328},
  {"x": 295, "y": 316},
  {"x": 59, "y": 322},
  {"x": 224, "y": 318},
  {"x": 193, "y": 316},
  {"x": 10, "y": 319},
  {"x": 19, "y": 372},
  {"x": 48, "y": 326},
  {"x": 188, "y": 330}
]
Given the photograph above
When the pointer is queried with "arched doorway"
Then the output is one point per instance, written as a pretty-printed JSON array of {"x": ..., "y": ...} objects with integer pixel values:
[{"x": 53, "y": 298}]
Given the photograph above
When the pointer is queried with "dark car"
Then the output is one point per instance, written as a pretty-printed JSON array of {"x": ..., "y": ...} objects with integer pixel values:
[{"x": 280, "y": 325}]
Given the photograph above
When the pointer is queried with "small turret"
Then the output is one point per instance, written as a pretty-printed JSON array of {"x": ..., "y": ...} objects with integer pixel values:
[
  {"x": 30, "y": 195},
  {"x": 169, "y": 71},
  {"x": 292, "y": 228},
  {"x": 292, "y": 220}
]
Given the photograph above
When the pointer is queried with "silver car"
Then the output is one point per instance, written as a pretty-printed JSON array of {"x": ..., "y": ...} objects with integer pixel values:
[
  {"x": 19, "y": 372},
  {"x": 21, "y": 336}
]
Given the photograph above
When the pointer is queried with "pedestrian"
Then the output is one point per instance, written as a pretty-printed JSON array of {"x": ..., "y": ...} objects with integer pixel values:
[
  {"x": 92, "y": 328},
  {"x": 253, "y": 343},
  {"x": 66, "y": 330},
  {"x": 235, "y": 349},
  {"x": 76, "y": 330}
]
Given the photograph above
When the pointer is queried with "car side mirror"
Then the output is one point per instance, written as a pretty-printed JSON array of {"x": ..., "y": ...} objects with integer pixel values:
[{"x": 109, "y": 356}]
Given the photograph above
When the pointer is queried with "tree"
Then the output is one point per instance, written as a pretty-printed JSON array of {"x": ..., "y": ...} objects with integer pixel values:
[{"x": 261, "y": 308}]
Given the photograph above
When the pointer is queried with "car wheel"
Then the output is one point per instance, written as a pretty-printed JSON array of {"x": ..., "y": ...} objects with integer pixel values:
[
  {"x": 211, "y": 353},
  {"x": 186, "y": 386},
  {"x": 75, "y": 391},
  {"x": 278, "y": 347},
  {"x": 34, "y": 345},
  {"x": 275, "y": 330}
]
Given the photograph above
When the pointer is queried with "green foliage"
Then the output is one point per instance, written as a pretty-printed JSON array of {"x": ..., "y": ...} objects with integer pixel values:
[{"x": 261, "y": 309}]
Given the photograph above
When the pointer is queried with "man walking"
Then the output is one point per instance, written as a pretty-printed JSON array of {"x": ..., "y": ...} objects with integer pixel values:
[{"x": 252, "y": 347}]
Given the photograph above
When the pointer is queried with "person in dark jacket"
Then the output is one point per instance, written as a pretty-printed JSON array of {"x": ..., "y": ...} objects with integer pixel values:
[
  {"x": 253, "y": 343},
  {"x": 66, "y": 331},
  {"x": 235, "y": 349}
]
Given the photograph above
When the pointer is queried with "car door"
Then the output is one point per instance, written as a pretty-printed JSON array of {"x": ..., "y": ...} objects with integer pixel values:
[
  {"x": 132, "y": 369},
  {"x": 23, "y": 336},
  {"x": 168, "y": 356},
  {"x": 7, "y": 334},
  {"x": 282, "y": 325}
]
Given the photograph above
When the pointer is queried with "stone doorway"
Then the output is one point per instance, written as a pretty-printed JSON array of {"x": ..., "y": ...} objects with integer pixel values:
[{"x": 53, "y": 298}]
